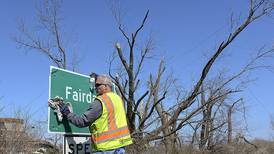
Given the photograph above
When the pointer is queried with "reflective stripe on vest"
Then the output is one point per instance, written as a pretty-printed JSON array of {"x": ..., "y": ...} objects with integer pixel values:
[
  {"x": 111, "y": 113},
  {"x": 113, "y": 134},
  {"x": 113, "y": 131}
]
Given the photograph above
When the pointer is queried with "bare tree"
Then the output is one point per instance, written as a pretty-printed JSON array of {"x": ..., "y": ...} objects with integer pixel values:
[
  {"x": 229, "y": 121},
  {"x": 149, "y": 118},
  {"x": 47, "y": 37},
  {"x": 21, "y": 135},
  {"x": 171, "y": 120},
  {"x": 272, "y": 124},
  {"x": 216, "y": 100},
  {"x": 132, "y": 81},
  {"x": 257, "y": 9}
]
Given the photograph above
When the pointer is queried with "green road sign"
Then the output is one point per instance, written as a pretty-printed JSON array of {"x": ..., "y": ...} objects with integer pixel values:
[{"x": 74, "y": 88}]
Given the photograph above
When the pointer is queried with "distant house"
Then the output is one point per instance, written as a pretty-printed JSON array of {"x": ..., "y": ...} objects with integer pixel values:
[
  {"x": 14, "y": 139},
  {"x": 11, "y": 124}
]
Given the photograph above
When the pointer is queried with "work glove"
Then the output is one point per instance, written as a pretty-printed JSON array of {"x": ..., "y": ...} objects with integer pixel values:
[
  {"x": 53, "y": 103},
  {"x": 65, "y": 108},
  {"x": 59, "y": 104}
]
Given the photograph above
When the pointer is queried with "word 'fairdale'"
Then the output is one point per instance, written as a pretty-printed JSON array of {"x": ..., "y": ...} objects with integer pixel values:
[{"x": 78, "y": 95}]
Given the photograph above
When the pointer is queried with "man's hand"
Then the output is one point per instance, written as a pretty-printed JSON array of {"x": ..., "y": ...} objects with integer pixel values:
[
  {"x": 57, "y": 103},
  {"x": 64, "y": 108},
  {"x": 53, "y": 103}
]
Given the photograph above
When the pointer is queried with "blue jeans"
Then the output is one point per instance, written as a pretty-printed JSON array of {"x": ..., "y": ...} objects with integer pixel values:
[{"x": 115, "y": 151}]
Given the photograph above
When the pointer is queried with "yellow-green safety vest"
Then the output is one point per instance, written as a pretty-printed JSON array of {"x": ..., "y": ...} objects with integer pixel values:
[{"x": 110, "y": 131}]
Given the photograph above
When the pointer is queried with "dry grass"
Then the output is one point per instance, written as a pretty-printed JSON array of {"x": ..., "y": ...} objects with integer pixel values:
[{"x": 263, "y": 147}]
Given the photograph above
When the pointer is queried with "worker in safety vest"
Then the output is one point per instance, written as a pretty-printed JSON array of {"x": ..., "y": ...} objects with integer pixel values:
[{"x": 106, "y": 119}]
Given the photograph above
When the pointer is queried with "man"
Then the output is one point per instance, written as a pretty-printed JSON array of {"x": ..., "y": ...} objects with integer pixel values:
[{"x": 106, "y": 119}]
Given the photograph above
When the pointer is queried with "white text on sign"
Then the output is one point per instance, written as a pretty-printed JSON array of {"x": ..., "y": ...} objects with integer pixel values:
[{"x": 78, "y": 95}]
